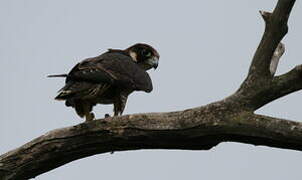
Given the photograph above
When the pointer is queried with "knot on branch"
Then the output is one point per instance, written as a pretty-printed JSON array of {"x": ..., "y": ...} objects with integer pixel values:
[{"x": 265, "y": 15}]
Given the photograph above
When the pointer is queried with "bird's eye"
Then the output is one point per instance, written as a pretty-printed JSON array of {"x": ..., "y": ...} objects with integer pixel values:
[{"x": 146, "y": 53}]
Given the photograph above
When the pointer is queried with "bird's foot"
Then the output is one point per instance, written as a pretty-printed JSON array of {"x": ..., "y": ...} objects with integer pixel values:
[{"x": 90, "y": 117}]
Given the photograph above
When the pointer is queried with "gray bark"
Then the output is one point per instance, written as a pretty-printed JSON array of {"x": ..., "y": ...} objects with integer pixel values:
[{"x": 200, "y": 128}]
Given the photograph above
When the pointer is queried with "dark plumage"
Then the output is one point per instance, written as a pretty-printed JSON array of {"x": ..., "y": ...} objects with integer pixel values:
[{"x": 108, "y": 79}]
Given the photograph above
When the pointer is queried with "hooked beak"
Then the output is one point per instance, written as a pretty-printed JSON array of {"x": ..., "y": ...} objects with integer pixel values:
[{"x": 153, "y": 62}]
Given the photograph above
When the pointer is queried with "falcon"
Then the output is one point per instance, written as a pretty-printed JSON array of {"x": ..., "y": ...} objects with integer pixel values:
[{"x": 108, "y": 79}]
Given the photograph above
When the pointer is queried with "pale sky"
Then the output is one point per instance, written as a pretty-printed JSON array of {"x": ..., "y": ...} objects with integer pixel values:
[{"x": 206, "y": 49}]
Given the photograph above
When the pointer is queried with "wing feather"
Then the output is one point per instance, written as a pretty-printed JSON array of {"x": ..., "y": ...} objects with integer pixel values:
[{"x": 112, "y": 68}]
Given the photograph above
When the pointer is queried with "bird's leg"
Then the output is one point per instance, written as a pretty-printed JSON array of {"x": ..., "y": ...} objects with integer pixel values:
[
  {"x": 116, "y": 107},
  {"x": 116, "y": 110},
  {"x": 87, "y": 108},
  {"x": 123, "y": 101},
  {"x": 119, "y": 104}
]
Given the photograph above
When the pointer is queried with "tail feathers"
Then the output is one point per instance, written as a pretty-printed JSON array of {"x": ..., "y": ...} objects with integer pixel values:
[
  {"x": 57, "y": 75},
  {"x": 68, "y": 91},
  {"x": 63, "y": 95}
]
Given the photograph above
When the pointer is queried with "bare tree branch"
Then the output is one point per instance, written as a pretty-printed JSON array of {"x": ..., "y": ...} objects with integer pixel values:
[
  {"x": 201, "y": 128},
  {"x": 275, "y": 29},
  {"x": 190, "y": 130},
  {"x": 278, "y": 87},
  {"x": 287, "y": 83}
]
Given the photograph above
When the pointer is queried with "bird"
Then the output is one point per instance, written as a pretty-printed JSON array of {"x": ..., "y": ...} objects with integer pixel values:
[{"x": 108, "y": 79}]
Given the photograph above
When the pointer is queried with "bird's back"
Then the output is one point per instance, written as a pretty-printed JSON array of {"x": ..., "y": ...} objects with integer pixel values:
[{"x": 103, "y": 77}]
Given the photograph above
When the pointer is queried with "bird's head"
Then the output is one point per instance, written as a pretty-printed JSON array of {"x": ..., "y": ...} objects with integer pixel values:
[{"x": 144, "y": 55}]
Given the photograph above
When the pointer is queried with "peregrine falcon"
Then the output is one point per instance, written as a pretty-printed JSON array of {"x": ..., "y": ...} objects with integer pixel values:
[{"x": 108, "y": 79}]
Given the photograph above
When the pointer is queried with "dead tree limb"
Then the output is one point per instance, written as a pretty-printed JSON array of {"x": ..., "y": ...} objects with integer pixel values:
[{"x": 201, "y": 128}]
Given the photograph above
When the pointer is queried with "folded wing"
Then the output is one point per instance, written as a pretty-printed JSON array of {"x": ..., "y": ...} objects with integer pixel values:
[{"x": 94, "y": 75}]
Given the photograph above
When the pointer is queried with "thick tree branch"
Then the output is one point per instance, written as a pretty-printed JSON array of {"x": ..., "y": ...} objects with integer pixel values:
[
  {"x": 231, "y": 119},
  {"x": 191, "y": 129},
  {"x": 278, "y": 87},
  {"x": 275, "y": 29},
  {"x": 286, "y": 83}
]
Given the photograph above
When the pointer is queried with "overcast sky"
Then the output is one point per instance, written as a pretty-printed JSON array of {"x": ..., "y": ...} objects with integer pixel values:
[{"x": 206, "y": 49}]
